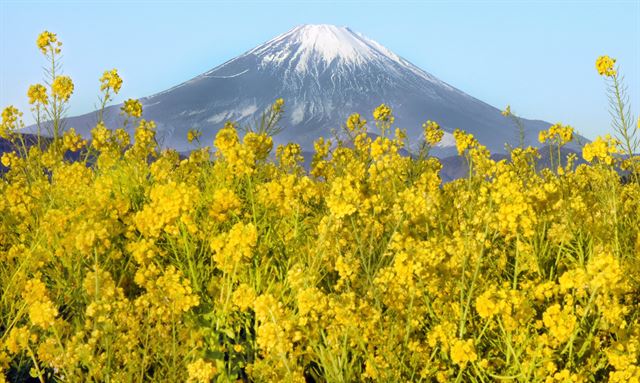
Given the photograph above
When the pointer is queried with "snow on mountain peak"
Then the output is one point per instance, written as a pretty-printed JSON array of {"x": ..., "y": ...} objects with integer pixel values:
[
  {"x": 320, "y": 43},
  {"x": 313, "y": 48}
]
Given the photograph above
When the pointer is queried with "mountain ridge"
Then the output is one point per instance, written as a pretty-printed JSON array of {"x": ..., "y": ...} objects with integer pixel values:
[{"x": 324, "y": 73}]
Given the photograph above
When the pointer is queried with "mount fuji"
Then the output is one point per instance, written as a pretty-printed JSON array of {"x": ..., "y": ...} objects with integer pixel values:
[{"x": 324, "y": 73}]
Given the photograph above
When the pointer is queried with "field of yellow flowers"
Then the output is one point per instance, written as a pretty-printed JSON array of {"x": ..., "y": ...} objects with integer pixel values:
[{"x": 133, "y": 264}]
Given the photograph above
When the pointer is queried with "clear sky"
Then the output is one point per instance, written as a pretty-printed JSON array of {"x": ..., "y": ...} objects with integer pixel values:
[{"x": 537, "y": 56}]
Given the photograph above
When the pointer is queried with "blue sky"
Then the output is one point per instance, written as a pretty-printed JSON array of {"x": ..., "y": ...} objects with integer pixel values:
[{"x": 537, "y": 56}]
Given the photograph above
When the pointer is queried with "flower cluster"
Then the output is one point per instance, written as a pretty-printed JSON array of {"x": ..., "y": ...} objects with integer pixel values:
[
  {"x": 606, "y": 66},
  {"x": 432, "y": 132},
  {"x": 37, "y": 95},
  {"x": 132, "y": 108},
  {"x": 110, "y": 80},
  {"x": 193, "y": 135},
  {"x": 602, "y": 149},
  {"x": 237, "y": 263},
  {"x": 557, "y": 133},
  {"x": 73, "y": 141},
  {"x": 464, "y": 141},
  {"x": 277, "y": 106},
  {"x": 383, "y": 113},
  {"x": 48, "y": 41},
  {"x": 10, "y": 121},
  {"x": 355, "y": 123},
  {"x": 62, "y": 87}
]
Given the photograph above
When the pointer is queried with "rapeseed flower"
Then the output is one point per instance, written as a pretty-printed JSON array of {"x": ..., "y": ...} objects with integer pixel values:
[
  {"x": 432, "y": 132},
  {"x": 201, "y": 371},
  {"x": 48, "y": 41},
  {"x": 193, "y": 135},
  {"x": 132, "y": 108},
  {"x": 236, "y": 263},
  {"x": 38, "y": 95},
  {"x": 62, "y": 87},
  {"x": 557, "y": 133},
  {"x": 606, "y": 66},
  {"x": 73, "y": 141},
  {"x": 355, "y": 123},
  {"x": 277, "y": 106},
  {"x": 10, "y": 121},
  {"x": 110, "y": 80},
  {"x": 463, "y": 352},
  {"x": 602, "y": 149},
  {"x": 383, "y": 113}
]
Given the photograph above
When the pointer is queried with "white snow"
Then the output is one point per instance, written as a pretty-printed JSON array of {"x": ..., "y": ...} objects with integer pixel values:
[
  {"x": 303, "y": 48},
  {"x": 297, "y": 115},
  {"x": 190, "y": 113},
  {"x": 233, "y": 114},
  {"x": 447, "y": 140},
  {"x": 245, "y": 112},
  {"x": 217, "y": 118},
  {"x": 144, "y": 105},
  {"x": 231, "y": 76},
  {"x": 309, "y": 44}
]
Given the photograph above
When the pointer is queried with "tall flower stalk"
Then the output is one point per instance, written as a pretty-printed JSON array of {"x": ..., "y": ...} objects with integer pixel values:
[{"x": 622, "y": 120}]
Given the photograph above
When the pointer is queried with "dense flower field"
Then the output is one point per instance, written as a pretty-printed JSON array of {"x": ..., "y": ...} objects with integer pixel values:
[{"x": 133, "y": 264}]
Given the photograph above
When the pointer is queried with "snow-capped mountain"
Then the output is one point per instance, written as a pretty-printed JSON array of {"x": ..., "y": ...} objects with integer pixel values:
[{"x": 324, "y": 73}]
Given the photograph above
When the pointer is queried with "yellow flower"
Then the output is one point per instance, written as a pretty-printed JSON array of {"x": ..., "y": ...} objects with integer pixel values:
[
  {"x": 37, "y": 94},
  {"x": 144, "y": 137},
  {"x": 542, "y": 136},
  {"x": 18, "y": 340},
  {"x": 557, "y": 133},
  {"x": 10, "y": 121},
  {"x": 463, "y": 351},
  {"x": 132, "y": 108},
  {"x": 277, "y": 106},
  {"x": 73, "y": 141},
  {"x": 606, "y": 66},
  {"x": 111, "y": 80},
  {"x": 344, "y": 197},
  {"x": 383, "y": 113},
  {"x": 168, "y": 294},
  {"x": 260, "y": 144},
  {"x": 240, "y": 158},
  {"x": 289, "y": 155},
  {"x": 47, "y": 40},
  {"x": 239, "y": 264},
  {"x": 193, "y": 134},
  {"x": 355, "y": 122},
  {"x": 8, "y": 159},
  {"x": 226, "y": 138},
  {"x": 42, "y": 312},
  {"x": 601, "y": 149},
  {"x": 243, "y": 297},
  {"x": 225, "y": 204},
  {"x": 432, "y": 132},
  {"x": 101, "y": 137},
  {"x": 605, "y": 271},
  {"x": 62, "y": 87},
  {"x": 319, "y": 163},
  {"x": 507, "y": 111},
  {"x": 487, "y": 304},
  {"x": 233, "y": 249},
  {"x": 200, "y": 371},
  {"x": 170, "y": 206},
  {"x": 560, "y": 322},
  {"x": 464, "y": 141}
]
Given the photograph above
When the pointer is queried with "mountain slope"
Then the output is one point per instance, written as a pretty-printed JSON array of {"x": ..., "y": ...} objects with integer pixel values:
[{"x": 324, "y": 73}]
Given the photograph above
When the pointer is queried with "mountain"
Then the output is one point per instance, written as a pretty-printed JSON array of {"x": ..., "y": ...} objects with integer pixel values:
[{"x": 324, "y": 73}]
